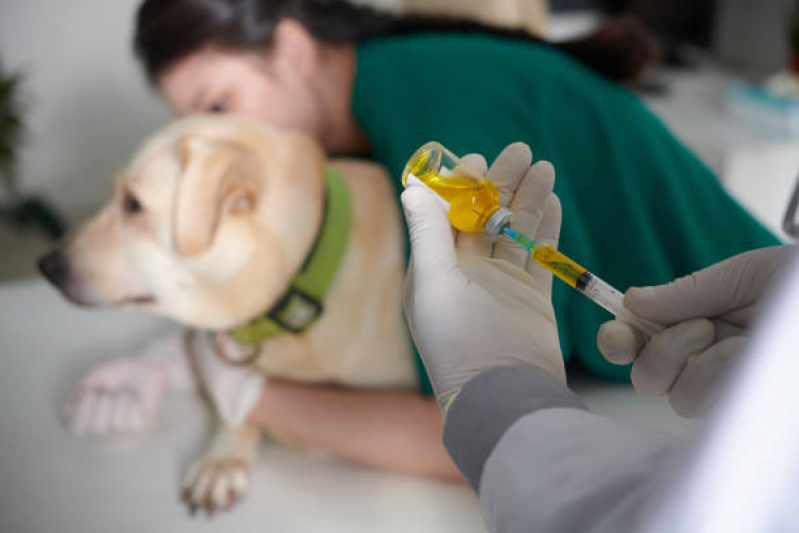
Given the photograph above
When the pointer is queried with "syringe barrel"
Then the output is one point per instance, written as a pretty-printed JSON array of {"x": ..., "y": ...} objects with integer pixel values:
[{"x": 605, "y": 295}]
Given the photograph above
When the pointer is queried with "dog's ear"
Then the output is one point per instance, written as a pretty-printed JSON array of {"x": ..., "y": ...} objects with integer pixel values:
[{"x": 218, "y": 178}]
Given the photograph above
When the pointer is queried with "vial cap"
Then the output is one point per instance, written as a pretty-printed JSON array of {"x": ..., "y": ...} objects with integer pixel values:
[{"x": 501, "y": 218}]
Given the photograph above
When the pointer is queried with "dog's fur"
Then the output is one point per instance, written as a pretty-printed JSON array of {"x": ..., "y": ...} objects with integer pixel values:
[{"x": 210, "y": 222}]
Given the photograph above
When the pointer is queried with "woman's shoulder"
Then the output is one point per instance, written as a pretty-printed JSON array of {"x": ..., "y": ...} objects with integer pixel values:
[
  {"x": 429, "y": 56},
  {"x": 455, "y": 46}
]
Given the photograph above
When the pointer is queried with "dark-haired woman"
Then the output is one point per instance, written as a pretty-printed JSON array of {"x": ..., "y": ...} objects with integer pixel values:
[{"x": 638, "y": 207}]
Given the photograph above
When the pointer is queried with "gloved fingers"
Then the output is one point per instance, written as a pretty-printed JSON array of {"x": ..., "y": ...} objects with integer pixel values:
[
  {"x": 548, "y": 234},
  {"x": 664, "y": 357},
  {"x": 725, "y": 330},
  {"x": 688, "y": 397},
  {"x": 476, "y": 162},
  {"x": 619, "y": 342},
  {"x": 408, "y": 292},
  {"x": 430, "y": 232},
  {"x": 739, "y": 318},
  {"x": 447, "y": 395},
  {"x": 473, "y": 244},
  {"x": 528, "y": 208},
  {"x": 721, "y": 288},
  {"x": 508, "y": 170}
]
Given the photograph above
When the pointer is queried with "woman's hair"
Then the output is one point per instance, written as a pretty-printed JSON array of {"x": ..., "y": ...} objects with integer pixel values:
[{"x": 169, "y": 30}]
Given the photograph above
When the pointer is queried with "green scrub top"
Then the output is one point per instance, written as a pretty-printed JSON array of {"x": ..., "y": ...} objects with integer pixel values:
[{"x": 638, "y": 207}]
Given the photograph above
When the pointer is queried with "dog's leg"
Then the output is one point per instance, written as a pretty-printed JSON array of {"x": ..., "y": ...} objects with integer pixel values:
[
  {"x": 221, "y": 477},
  {"x": 124, "y": 396}
]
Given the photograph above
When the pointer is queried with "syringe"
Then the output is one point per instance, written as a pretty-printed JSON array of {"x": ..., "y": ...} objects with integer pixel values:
[
  {"x": 473, "y": 203},
  {"x": 588, "y": 284}
]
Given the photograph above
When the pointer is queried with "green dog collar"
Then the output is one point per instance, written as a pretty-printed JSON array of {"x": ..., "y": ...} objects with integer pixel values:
[{"x": 301, "y": 305}]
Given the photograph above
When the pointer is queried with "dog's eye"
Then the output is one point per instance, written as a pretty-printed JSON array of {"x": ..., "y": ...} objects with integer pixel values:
[{"x": 131, "y": 204}]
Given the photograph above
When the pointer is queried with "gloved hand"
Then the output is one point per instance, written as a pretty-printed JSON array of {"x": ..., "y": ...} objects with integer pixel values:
[
  {"x": 124, "y": 396},
  {"x": 473, "y": 305},
  {"x": 708, "y": 313}
]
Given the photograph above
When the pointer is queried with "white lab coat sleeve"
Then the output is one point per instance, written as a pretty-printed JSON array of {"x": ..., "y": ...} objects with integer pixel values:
[{"x": 540, "y": 462}]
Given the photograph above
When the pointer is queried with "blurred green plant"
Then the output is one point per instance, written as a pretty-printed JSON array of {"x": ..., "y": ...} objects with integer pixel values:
[
  {"x": 21, "y": 212},
  {"x": 11, "y": 129}
]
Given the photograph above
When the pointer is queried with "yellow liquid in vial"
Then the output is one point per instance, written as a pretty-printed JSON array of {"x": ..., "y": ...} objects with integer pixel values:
[{"x": 472, "y": 200}]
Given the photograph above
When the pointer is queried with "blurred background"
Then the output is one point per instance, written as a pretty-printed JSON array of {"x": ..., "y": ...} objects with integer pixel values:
[
  {"x": 85, "y": 106},
  {"x": 73, "y": 108}
]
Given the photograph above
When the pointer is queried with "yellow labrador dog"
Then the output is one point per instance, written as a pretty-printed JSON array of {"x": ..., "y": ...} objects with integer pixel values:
[{"x": 212, "y": 224}]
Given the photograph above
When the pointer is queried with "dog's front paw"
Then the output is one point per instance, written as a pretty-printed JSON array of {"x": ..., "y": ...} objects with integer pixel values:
[
  {"x": 221, "y": 478},
  {"x": 120, "y": 397}
]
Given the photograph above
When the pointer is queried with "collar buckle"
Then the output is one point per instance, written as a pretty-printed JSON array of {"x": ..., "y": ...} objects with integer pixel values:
[{"x": 296, "y": 311}]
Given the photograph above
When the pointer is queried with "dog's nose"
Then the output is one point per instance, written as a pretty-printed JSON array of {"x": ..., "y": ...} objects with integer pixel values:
[{"x": 54, "y": 266}]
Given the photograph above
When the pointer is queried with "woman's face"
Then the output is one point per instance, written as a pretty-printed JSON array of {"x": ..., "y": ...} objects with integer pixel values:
[{"x": 223, "y": 81}]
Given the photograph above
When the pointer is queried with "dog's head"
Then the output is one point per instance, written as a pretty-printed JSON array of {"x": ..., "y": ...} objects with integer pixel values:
[{"x": 207, "y": 225}]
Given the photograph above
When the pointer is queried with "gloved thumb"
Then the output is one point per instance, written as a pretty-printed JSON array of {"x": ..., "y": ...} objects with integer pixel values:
[
  {"x": 619, "y": 343},
  {"x": 718, "y": 289},
  {"x": 432, "y": 242}
]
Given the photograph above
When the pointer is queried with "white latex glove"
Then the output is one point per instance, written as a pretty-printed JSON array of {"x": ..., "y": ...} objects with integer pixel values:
[
  {"x": 708, "y": 313},
  {"x": 472, "y": 305},
  {"x": 124, "y": 396}
]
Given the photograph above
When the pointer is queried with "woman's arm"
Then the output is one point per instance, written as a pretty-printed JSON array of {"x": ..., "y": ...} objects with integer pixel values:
[{"x": 398, "y": 431}]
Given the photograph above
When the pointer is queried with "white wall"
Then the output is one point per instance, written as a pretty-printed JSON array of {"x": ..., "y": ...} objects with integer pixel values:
[{"x": 89, "y": 105}]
